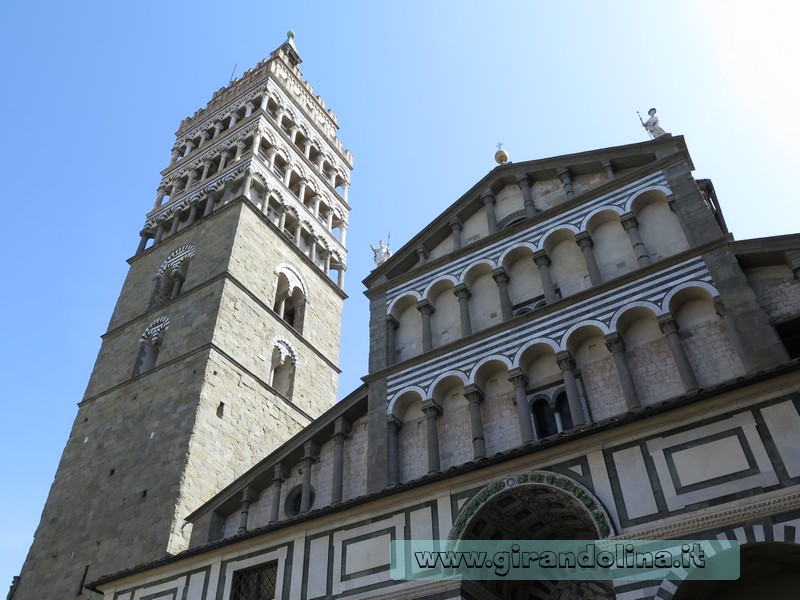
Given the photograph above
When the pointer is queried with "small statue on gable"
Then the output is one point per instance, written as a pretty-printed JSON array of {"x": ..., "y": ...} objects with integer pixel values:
[
  {"x": 653, "y": 128},
  {"x": 380, "y": 254}
]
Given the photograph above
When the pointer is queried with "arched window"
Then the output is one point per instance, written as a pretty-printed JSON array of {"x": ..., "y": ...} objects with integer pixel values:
[
  {"x": 562, "y": 414},
  {"x": 290, "y": 297},
  {"x": 150, "y": 345},
  {"x": 171, "y": 275},
  {"x": 543, "y": 418},
  {"x": 282, "y": 368}
]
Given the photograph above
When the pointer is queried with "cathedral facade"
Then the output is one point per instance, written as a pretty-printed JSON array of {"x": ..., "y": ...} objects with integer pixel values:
[{"x": 577, "y": 348}]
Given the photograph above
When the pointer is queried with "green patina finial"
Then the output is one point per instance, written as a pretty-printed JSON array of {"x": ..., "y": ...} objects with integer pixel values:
[{"x": 290, "y": 35}]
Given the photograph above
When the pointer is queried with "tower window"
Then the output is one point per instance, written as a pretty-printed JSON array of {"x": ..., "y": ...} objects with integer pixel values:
[
  {"x": 282, "y": 368},
  {"x": 290, "y": 298},
  {"x": 255, "y": 583},
  {"x": 150, "y": 345},
  {"x": 171, "y": 275}
]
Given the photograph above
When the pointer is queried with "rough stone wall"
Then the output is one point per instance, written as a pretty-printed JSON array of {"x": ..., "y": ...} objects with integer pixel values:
[
  {"x": 711, "y": 353},
  {"x": 500, "y": 423},
  {"x": 524, "y": 280},
  {"x": 548, "y": 193},
  {"x": 322, "y": 475},
  {"x": 661, "y": 231},
  {"x": 484, "y": 306},
  {"x": 446, "y": 320},
  {"x": 258, "y": 244},
  {"x": 568, "y": 268},
  {"x": 584, "y": 183},
  {"x": 654, "y": 372},
  {"x": 612, "y": 250},
  {"x": 408, "y": 335},
  {"x": 507, "y": 201},
  {"x": 355, "y": 461},
  {"x": 475, "y": 227},
  {"x": 455, "y": 433},
  {"x": 413, "y": 445},
  {"x": 777, "y": 290},
  {"x": 603, "y": 390}
]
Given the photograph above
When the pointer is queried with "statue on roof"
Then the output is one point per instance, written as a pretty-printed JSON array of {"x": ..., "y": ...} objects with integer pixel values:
[
  {"x": 380, "y": 254},
  {"x": 653, "y": 128}
]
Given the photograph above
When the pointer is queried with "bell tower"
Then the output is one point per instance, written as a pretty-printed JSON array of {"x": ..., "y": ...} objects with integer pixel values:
[{"x": 225, "y": 339}]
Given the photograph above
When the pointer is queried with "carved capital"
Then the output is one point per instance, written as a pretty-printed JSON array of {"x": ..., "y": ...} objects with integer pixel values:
[
  {"x": 629, "y": 221},
  {"x": 584, "y": 240},
  {"x": 455, "y": 224},
  {"x": 473, "y": 393},
  {"x": 280, "y": 473},
  {"x": 564, "y": 175},
  {"x": 523, "y": 181},
  {"x": 565, "y": 361},
  {"x": 541, "y": 259},
  {"x": 425, "y": 307},
  {"x": 393, "y": 423},
  {"x": 499, "y": 275},
  {"x": 667, "y": 324},
  {"x": 391, "y": 322},
  {"x": 719, "y": 306},
  {"x": 487, "y": 196},
  {"x": 431, "y": 408},
  {"x": 462, "y": 291},
  {"x": 614, "y": 343},
  {"x": 517, "y": 377}
]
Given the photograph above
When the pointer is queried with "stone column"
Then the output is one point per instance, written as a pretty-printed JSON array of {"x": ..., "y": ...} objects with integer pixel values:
[
  {"x": 175, "y": 151},
  {"x": 194, "y": 207},
  {"x": 567, "y": 365},
  {"x": 524, "y": 184},
  {"x": 432, "y": 411},
  {"x": 566, "y": 180},
  {"x": 310, "y": 452},
  {"x": 462, "y": 293},
  {"x": 249, "y": 495},
  {"x": 733, "y": 333},
  {"x": 307, "y": 149},
  {"x": 234, "y": 118},
  {"x": 239, "y": 149},
  {"x": 162, "y": 221},
  {"x": 248, "y": 109},
  {"x": 669, "y": 327},
  {"x": 264, "y": 100},
  {"x": 393, "y": 427},
  {"x": 585, "y": 242},
  {"x": 217, "y": 127},
  {"x": 287, "y": 176},
  {"x": 616, "y": 346},
  {"x": 178, "y": 278},
  {"x": 491, "y": 217},
  {"x": 340, "y": 277},
  {"x": 188, "y": 148},
  {"x": 422, "y": 253},
  {"x": 631, "y": 225},
  {"x": 256, "y": 144},
  {"x": 210, "y": 201},
  {"x": 456, "y": 227},
  {"x": 474, "y": 396},
  {"x": 326, "y": 266},
  {"x": 426, "y": 309},
  {"x": 543, "y": 263},
  {"x": 343, "y": 234},
  {"x": 345, "y": 189},
  {"x": 176, "y": 221},
  {"x": 340, "y": 430},
  {"x": 609, "y": 170},
  {"x": 160, "y": 193},
  {"x": 293, "y": 133},
  {"x": 223, "y": 158},
  {"x": 189, "y": 179},
  {"x": 248, "y": 181},
  {"x": 301, "y": 192},
  {"x": 501, "y": 278},
  {"x": 271, "y": 154},
  {"x": 206, "y": 167},
  {"x": 298, "y": 229},
  {"x": 144, "y": 235},
  {"x": 277, "y": 484},
  {"x": 312, "y": 249},
  {"x": 559, "y": 423},
  {"x": 518, "y": 378},
  {"x": 391, "y": 350}
]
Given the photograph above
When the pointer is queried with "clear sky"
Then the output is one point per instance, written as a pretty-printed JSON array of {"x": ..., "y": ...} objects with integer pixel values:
[{"x": 94, "y": 92}]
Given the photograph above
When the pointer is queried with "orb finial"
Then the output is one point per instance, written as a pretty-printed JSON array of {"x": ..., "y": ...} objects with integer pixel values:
[
  {"x": 290, "y": 34},
  {"x": 501, "y": 156}
]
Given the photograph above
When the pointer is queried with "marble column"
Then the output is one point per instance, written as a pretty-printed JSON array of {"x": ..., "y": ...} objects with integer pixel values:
[
  {"x": 340, "y": 430},
  {"x": 210, "y": 202},
  {"x": 340, "y": 277},
  {"x": 144, "y": 235},
  {"x": 520, "y": 381},
  {"x": 310, "y": 451},
  {"x": 463, "y": 294},
  {"x": 491, "y": 217},
  {"x": 206, "y": 166},
  {"x": 162, "y": 221},
  {"x": 616, "y": 346},
  {"x": 474, "y": 396},
  {"x": 543, "y": 263},
  {"x": 249, "y": 495},
  {"x": 501, "y": 278},
  {"x": 566, "y": 180},
  {"x": 277, "y": 483},
  {"x": 193, "y": 209},
  {"x": 391, "y": 349},
  {"x": 422, "y": 253},
  {"x": 524, "y": 183},
  {"x": 426, "y": 309},
  {"x": 567, "y": 365},
  {"x": 176, "y": 221},
  {"x": 393, "y": 427},
  {"x": 585, "y": 242},
  {"x": 432, "y": 411},
  {"x": 669, "y": 327},
  {"x": 631, "y": 225},
  {"x": 609, "y": 170},
  {"x": 456, "y": 227}
]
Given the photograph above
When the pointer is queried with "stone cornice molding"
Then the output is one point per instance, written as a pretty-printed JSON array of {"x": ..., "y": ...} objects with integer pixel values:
[{"x": 718, "y": 519}]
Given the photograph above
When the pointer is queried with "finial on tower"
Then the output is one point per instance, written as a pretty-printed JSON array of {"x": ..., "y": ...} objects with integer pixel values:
[{"x": 501, "y": 156}]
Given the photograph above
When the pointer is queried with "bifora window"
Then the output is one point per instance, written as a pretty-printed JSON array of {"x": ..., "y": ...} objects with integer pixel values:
[{"x": 255, "y": 583}]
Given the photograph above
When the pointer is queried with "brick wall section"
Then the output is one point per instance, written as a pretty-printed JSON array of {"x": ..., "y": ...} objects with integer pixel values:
[
  {"x": 654, "y": 371},
  {"x": 603, "y": 390},
  {"x": 777, "y": 290}
]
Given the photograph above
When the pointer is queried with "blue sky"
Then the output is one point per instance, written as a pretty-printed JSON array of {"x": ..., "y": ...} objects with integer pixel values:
[{"x": 423, "y": 90}]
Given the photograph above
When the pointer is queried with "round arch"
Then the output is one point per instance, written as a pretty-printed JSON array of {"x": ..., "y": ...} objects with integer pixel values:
[{"x": 650, "y": 188}]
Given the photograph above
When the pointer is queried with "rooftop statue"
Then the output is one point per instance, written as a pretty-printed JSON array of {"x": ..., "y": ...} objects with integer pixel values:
[
  {"x": 381, "y": 253},
  {"x": 653, "y": 128}
]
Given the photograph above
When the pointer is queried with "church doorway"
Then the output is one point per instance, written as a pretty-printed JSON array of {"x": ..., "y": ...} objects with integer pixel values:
[
  {"x": 767, "y": 570},
  {"x": 534, "y": 506}
]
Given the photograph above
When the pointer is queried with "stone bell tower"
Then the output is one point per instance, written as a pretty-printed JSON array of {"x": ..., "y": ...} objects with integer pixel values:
[{"x": 225, "y": 339}]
